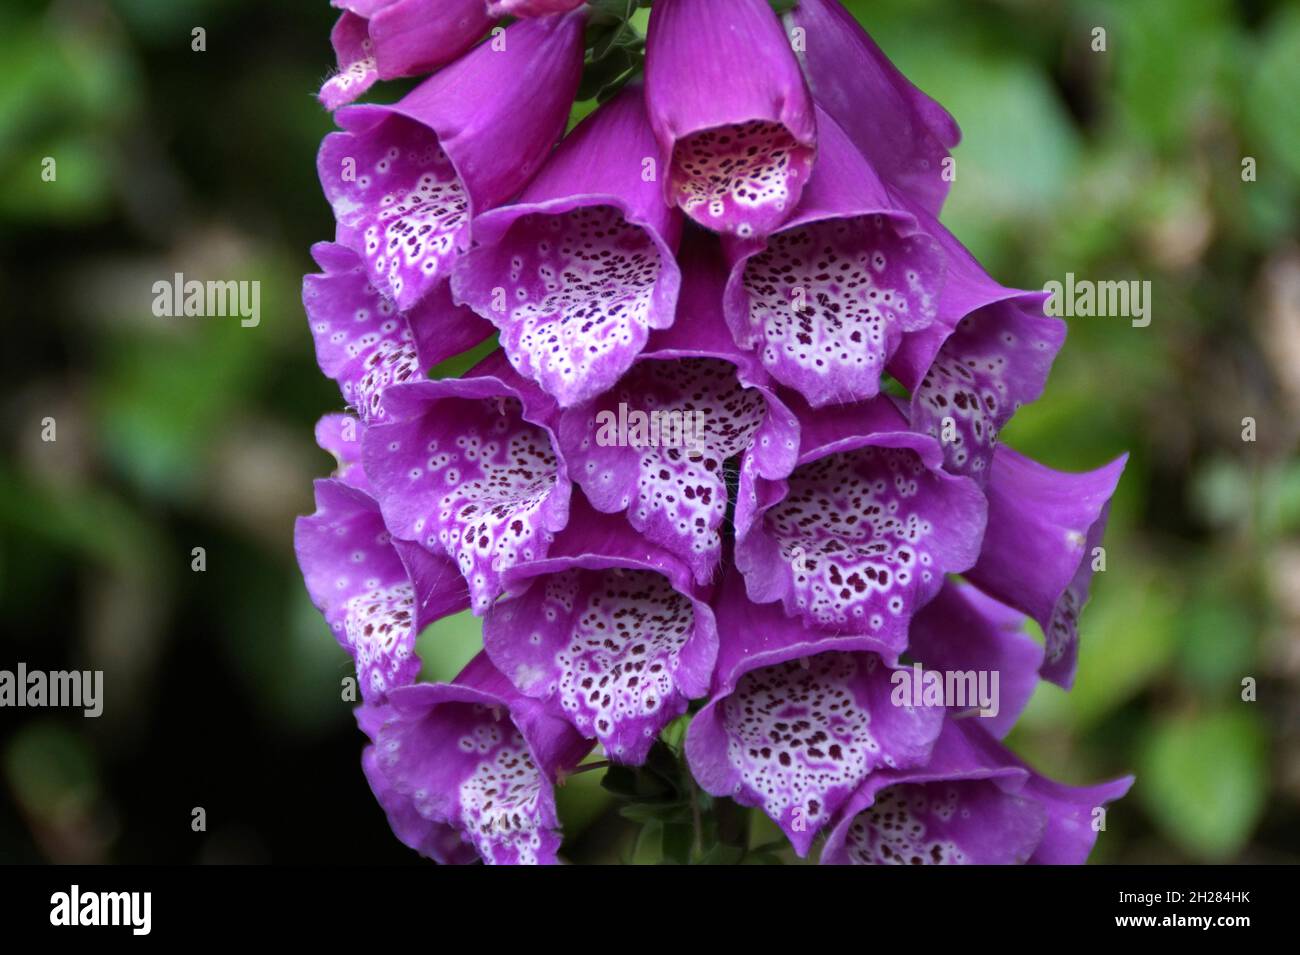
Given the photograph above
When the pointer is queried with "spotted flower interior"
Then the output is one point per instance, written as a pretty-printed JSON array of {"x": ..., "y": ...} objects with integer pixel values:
[{"x": 710, "y": 489}]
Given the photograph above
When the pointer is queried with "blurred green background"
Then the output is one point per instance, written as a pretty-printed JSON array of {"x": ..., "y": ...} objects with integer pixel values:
[{"x": 222, "y": 687}]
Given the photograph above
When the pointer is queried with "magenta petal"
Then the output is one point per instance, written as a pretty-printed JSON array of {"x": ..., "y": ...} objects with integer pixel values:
[
  {"x": 365, "y": 344},
  {"x": 579, "y": 270},
  {"x": 405, "y": 180},
  {"x": 340, "y": 435},
  {"x": 902, "y": 132},
  {"x": 475, "y": 755},
  {"x": 961, "y": 808},
  {"x": 1044, "y": 530},
  {"x": 355, "y": 53},
  {"x": 965, "y": 630},
  {"x": 375, "y": 601},
  {"x": 609, "y": 630},
  {"x": 731, "y": 112},
  {"x": 826, "y": 301},
  {"x": 861, "y": 534},
  {"x": 417, "y": 36},
  {"x": 468, "y": 468},
  {"x": 797, "y": 720}
]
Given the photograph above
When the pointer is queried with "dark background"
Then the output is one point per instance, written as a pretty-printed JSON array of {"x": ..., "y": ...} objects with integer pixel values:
[{"x": 222, "y": 687}]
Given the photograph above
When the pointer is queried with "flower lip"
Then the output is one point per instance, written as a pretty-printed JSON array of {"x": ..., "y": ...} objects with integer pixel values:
[
  {"x": 717, "y": 73},
  {"x": 609, "y": 629}
]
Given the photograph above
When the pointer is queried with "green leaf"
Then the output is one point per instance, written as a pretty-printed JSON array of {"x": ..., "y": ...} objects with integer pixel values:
[{"x": 1204, "y": 780}]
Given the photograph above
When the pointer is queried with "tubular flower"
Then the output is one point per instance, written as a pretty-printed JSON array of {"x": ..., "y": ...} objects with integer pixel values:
[
  {"x": 478, "y": 757},
  {"x": 406, "y": 180},
  {"x": 469, "y": 468},
  {"x": 376, "y": 592},
  {"x": 609, "y": 629},
  {"x": 862, "y": 532},
  {"x": 973, "y": 803},
  {"x": 383, "y": 39},
  {"x": 583, "y": 266},
  {"x": 797, "y": 720},
  {"x": 798, "y": 567},
  {"x": 364, "y": 343},
  {"x": 731, "y": 111},
  {"x": 656, "y": 444},
  {"x": 827, "y": 300}
]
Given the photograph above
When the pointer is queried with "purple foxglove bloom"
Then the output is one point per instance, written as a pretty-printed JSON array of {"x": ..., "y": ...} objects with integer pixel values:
[
  {"x": 377, "y": 592},
  {"x": 860, "y": 535},
  {"x": 988, "y": 353},
  {"x": 340, "y": 435},
  {"x": 384, "y": 39},
  {"x": 531, "y": 8},
  {"x": 731, "y": 111},
  {"x": 468, "y": 467},
  {"x": 579, "y": 270},
  {"x": 477, "y": 755},
  {"x": 1044, "y": 531},
  {"x": 365, "y": 344},
  {"x": 828, "y": 299},
  {"x": 964, "y": 630},
  {"x": 608, "y": 629},
  {"x": 973, "y": 803},
  {"x": 655, "y": 444},
  {"x": 903, "y": 133},
  {"x": 405, "y": 180},
  {"x": 796, "y": 719},
  {"x": 439, "y": 841}
]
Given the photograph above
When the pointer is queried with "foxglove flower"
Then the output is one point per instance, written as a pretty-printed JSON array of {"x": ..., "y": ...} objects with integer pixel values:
[
  {"x": 973, "y": 803},
  {"x": 468, "y": 467},
  {"x": 582, "y": 267},
  {"x": 796, "y": 720},
  {"x": 383, "y": 39},
  {"x": 967, "y": 631},
  {"x": 862, "y": 532},
  {"x": 376, "y": 592},
  {"x": 827, "y": 300},
  {"x": 607, "y": 628},
  {"x": 904, "y": 134},
  {"x": 481, "y": 758},
  {"x": 988, "y": 353},
  {"x": 699, "y": 402},
  {"x": 364, "y": 343},
  {"x": 1042, "y": 546},
  {"x": 406, "y": 180},
  {"x": 731, "y": 111}
]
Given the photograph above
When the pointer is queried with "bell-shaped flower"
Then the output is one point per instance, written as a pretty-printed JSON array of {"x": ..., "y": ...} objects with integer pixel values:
[
  {"x": 406, "y": 180},
  {"x": 827, "y": 300},
  {"x": 365, "y": 344},
  {"x": 862, "y": 532},
  {"x": 658, "y": 444},
  {"x": 481, "y": 758},
  {"x": 1043, "y": 545},
  {"x": 384, "y": 39},
  {"x": 376, "y": 592},
  {"x": 731, "y": 112},
  {"x": 469, "y": 468},
  {"x": 578, "y": 271},
  {"x": 797, "y": 720},
  {"x": 608, "y": 629},
  {"x": 972, "y": 803},
  {"x": 531, "y": 8},
  {"x": 904, "y": 134}
]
